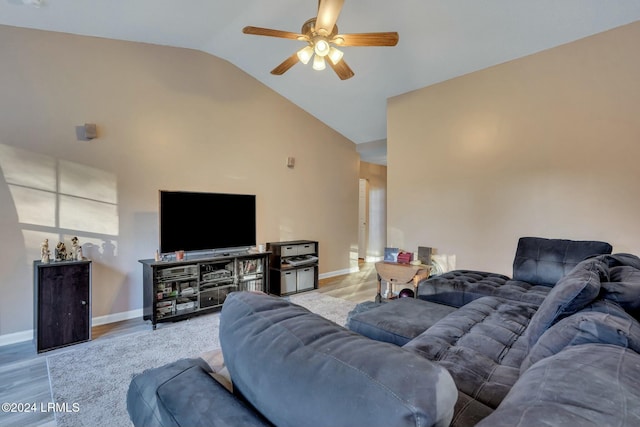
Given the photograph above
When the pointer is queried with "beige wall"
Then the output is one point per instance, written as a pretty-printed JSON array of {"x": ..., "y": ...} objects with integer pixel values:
[
  {"x": 547, "y": 145},
  {"x": 167, "y": 118},
  {"x": 376, "y": 176}
]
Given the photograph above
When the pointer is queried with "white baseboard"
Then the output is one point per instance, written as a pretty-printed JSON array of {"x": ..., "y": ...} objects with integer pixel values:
[
  {"x": 374, "y": 258},
  {"x": 338, "y": 273},
  {"x": 116, "y": 317},
  {"x": 17, "y": 337}
]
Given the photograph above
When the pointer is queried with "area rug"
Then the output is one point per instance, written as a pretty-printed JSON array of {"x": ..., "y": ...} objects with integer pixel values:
[{"x": 92, "y": 380}]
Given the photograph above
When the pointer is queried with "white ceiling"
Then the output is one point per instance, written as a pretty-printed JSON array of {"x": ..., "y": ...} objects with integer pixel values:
[{"x": 439, "y": 40}]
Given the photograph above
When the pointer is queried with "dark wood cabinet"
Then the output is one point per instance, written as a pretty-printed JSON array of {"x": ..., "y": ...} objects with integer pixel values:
[{"x": 62, "y": 312}]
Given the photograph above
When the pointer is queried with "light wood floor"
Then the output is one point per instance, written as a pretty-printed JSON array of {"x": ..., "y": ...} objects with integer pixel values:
[
  {"x": 24, "y": 376},
  {"x": 356, "y": 287}
]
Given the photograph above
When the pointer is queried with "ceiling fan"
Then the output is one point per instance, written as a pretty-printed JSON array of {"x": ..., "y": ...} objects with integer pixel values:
[{"x": 322, "y": 37}]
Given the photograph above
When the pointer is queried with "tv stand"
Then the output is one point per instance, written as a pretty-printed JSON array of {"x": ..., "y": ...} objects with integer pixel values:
[{"x": 177, "y": 290}]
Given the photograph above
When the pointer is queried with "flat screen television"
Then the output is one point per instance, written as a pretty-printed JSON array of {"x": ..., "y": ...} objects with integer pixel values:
[{"x": 192, "y": 221}]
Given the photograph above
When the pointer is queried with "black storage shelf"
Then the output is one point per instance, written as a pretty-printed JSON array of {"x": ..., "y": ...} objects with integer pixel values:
[
  {"x": 294, "y": 266},
  {"x": 211, "y": 279}
]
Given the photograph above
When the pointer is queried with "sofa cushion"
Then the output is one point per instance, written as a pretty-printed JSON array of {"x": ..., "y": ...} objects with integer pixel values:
[
  {"x": 583, "y": 328},
  {"x": 621, "y": 259},
  {"x": 459, "y": 287},
  {"x": 573, "y": 292},
  {"x": 183, "y": 393},
  {"x": 623, "y": 287},
  {"x": 398, "y": 321},
  {"x": 541, "y": 261},
  {"x": 468, "y": 411},
  {"x": 605, "y": 306},
  {"x": 300, "y": 369},
  {"x": 481, "y": 345},
  {"x": 592, "y": 385}
]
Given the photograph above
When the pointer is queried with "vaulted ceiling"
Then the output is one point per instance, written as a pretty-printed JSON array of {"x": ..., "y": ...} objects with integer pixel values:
[{"x": 439, "y": 40}]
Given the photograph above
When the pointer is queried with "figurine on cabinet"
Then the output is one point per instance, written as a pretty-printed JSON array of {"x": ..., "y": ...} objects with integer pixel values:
[
  {"x": 61, "y": 252},
  {"x": 44, "y": 252},
  {"x": 76, "y": 250}
]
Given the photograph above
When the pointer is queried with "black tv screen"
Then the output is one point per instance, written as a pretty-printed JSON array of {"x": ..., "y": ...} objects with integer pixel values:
[{"x": 192, "y": 221}]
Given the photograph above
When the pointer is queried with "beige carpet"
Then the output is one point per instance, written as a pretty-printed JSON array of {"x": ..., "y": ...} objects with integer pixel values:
[{"x": 95, "y": 378}]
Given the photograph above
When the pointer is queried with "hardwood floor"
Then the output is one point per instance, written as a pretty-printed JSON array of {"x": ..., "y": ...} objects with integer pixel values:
[
  {"x": 356, "y": 287},
  {"x": 24, "y": 375}
]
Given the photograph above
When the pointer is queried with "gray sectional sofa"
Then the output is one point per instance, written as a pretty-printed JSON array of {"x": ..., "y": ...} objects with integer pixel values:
[
  {"x": 291, "y": 367},
  {"x": 571, "y": 358},
  {"x": 537, "y": 266}
]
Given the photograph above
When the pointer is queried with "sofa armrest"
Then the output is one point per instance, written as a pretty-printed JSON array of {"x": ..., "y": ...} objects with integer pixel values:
[{"x": 184, "y": 394}]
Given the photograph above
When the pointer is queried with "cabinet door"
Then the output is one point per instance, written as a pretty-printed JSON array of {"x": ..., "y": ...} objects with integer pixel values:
[
  {"x": 305, "y": 279},
  {"x": 63, "y": 305},
  {"x": 288, "y": 282}
]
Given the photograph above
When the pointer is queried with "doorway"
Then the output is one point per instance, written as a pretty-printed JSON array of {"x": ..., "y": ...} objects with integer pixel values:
[{"x": 363, "y": 218}]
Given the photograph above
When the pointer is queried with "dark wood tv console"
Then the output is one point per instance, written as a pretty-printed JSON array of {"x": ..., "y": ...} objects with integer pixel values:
[{"x": 176, "y": 290}]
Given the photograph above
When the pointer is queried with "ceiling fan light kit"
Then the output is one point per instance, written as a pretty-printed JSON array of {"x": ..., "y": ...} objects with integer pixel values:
[
  {"x": 320, "y": 46},
  {"x": 305, "y": 54},
  {"x": 321, "y": 33},
  {"x": 335, "y": 55},
  {"x": 318, "y": 63}
]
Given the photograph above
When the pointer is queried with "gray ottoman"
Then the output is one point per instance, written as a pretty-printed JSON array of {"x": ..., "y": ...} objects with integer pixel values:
[{"x": 397, "y": 321}]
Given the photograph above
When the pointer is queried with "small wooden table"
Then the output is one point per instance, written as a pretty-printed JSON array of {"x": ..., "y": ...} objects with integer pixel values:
[{"x": 393, "y": 272}]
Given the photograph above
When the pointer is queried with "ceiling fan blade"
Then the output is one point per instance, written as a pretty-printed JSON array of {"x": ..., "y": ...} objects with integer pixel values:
[
  {"x": 273, "y": 33},
  {"x": 285, "y": 65},
  {"x": 342, "y": 69},
  {"x": 367, "y": 39},
  {"x": 328, "y": 12}
]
